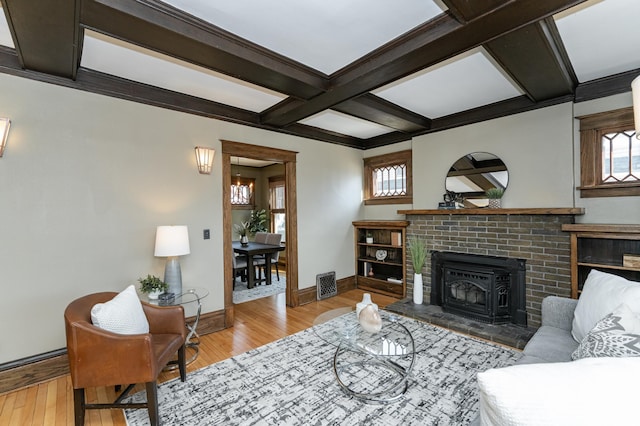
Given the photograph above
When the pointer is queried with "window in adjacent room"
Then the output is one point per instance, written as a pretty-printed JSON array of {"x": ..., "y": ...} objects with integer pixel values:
[
  {"x": 277, "y": 206},
  {"x": 609, "y": 155},
  {"x": 242, "y": 192},
  {"x": 387, "y": 179}
]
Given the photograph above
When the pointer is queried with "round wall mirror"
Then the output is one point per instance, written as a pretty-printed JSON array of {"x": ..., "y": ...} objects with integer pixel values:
[{"x": 471, "y": 176}]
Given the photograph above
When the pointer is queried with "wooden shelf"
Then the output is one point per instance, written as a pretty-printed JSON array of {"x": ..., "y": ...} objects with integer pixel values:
[
  {"x": 608, "y": 266},
  {"x": 601, "y": 246},
  {"x": 393, "y": 266},
  {"x": 486, "y": 211}
]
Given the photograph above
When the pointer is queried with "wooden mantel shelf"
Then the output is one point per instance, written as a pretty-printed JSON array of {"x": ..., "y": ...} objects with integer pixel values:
[{"x": 539, "y": 211}]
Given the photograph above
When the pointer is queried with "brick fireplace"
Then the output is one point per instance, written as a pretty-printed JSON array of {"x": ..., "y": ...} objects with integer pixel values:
[{"x": 534, "y": 235}]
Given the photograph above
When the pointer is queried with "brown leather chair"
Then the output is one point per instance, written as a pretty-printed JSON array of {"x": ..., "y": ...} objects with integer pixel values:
[{"x": 99, "y": 357}]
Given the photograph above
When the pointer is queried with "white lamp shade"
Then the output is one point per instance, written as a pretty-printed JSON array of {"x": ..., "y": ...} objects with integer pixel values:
[
  {"x": 172, "y": 241},
  {"x": 635, "y": 90}
]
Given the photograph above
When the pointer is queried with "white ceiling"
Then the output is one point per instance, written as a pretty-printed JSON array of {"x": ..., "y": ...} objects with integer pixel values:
[
  {"x": 601, "y": 38},
  {"x": 323, "y": 35}
]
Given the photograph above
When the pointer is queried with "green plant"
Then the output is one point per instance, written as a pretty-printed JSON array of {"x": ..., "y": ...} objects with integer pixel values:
[
  {"x": 151, "y": 284},
  {"x": 257, "y": 221},
  {"x": 494, "y": 193},
  {"x": 242, "y": 229},
  {"x": 418, "y": 251}
]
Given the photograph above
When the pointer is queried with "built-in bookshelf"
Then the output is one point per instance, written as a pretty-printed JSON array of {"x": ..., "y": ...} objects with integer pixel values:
[
  {"x": 609, "y": 248},
  {"x": 380, "y": 252}
]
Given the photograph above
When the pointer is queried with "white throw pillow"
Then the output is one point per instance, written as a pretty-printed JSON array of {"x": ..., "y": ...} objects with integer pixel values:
[
  {"x": 615, "y": 335},
  {"x": 123, "y": 314},
  {"x": 590, "y": 391},
  {"x": 601, "y": 294}
]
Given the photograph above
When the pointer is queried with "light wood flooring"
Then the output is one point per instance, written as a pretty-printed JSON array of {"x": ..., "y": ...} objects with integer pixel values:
[{"x": 256, "y": 323}]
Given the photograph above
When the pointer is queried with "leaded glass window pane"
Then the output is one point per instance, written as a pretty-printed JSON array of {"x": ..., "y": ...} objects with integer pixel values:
[
  {"x": 620, "y": 157},
  {"x": 390, "y": 181}
]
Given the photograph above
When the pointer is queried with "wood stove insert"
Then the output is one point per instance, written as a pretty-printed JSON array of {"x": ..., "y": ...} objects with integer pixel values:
[{"x": 486, "y": 288}]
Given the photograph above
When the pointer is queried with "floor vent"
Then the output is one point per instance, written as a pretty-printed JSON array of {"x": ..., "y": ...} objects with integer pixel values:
[{"x": 326, "y": 284}]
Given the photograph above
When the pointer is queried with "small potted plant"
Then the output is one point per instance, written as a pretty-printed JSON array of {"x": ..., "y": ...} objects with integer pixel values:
[
  {"x": 369, "y": 238},
  {"x": 152, "y": 286},
  {"x": 418, "y": 252},
  {"x": 494, "y": 195},
  {"x": 242, "y": 230}
]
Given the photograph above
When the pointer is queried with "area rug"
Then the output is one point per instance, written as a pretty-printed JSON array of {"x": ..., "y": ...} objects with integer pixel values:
[
  {"x": 291, "y": 382},
  {"x": 243, "y": 294}
]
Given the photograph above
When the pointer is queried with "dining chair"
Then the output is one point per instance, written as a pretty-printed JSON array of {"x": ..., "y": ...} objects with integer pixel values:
[
  {"x": 239, "y": 267},
  {"x": 261, "y": 237},
  {"x": 261, "y": 264}
]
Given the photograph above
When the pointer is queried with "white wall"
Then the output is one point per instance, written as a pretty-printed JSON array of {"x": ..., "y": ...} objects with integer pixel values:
[
  {"x": 623, "y": 210},
  {"x": 85, "y": 180},
  {"x": 541, "y": 149},
  {"x": 536, "y": 147}
]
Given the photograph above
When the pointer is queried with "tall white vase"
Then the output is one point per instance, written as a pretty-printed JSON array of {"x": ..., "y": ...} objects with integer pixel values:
[{"x": 417, "y": 289}]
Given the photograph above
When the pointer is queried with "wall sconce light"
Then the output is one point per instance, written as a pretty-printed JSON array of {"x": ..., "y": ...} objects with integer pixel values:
[
  {"x": 204, "y": 158},
  {"x": 5, "y": 123},
  {"x": 635, "y": 90}
]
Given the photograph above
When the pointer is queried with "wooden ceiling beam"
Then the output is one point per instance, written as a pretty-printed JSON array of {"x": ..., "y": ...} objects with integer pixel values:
[
  {"x": 46, "y": 34},
  {"x": 535, "y": 59},
  {"x": 159, "y": 27},
  {"x": 439, "y": 39},
  {"x": 377, "y": 110}
]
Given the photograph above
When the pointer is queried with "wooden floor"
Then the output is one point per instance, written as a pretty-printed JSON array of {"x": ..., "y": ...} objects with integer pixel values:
[{"x": 256, "y": 323}]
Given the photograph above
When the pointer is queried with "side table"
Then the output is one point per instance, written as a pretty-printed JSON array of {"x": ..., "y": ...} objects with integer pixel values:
[{"x": 191, "y": 296}]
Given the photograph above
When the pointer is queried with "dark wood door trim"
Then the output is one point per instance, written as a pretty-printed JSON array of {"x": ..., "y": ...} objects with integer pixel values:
[{"x": 288, "y": 158}]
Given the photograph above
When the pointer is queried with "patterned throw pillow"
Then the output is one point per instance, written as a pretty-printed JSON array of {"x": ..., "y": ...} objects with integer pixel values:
[{"x": 616, "y": 335}]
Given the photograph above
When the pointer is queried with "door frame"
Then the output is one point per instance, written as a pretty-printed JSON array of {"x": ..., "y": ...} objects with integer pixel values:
[{"x": 288, "y": 158}]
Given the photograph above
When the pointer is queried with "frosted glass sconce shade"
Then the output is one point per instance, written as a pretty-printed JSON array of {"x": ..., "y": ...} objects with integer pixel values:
[
  {"x": 5, "y": 123},
  {"x": 204, "y": 158}
]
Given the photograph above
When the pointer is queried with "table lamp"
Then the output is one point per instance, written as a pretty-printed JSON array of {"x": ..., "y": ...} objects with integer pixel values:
[{"x": 171, "y": 242}]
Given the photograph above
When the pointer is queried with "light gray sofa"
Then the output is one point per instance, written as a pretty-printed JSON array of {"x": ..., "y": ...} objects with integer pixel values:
[{"x": 553, "y": 341}]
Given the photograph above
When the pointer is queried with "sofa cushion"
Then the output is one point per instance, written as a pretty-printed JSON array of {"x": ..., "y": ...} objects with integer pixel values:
[
  {"x": 551, "y": 344},
  {"x": 123, "y": 314},
  {"x": 616, "y": 335},
  {"x": 592, "y": 391},
  {"x": 601, "y": 294}
]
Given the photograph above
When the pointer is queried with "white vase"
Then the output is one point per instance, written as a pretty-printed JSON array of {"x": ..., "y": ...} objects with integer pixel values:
[
  {"x": 366, "y": 300},
  {"x": 417, "y": 289},
  {"x": 369, "y": 240},
  {"x": 153, "y": 295},
  {"x": 370, "y": 319}
]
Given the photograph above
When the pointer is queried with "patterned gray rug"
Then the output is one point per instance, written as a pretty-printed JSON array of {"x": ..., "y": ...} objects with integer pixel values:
[
  {"x": 291, "y": 382},
  {"x": 243, "y": 294}
]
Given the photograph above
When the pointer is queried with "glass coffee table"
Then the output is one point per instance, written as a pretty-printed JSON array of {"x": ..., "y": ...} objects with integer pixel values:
[{"x": 373, "y": 367}]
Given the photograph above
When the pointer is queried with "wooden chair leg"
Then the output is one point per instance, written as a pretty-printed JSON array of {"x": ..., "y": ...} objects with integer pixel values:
[
  {"x": 78, "y": 406},
  {"x": 152, "y": 403},
  {"x": 277, "y": 272}
]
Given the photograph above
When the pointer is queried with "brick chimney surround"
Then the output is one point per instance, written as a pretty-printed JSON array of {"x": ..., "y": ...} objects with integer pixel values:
[{"x": 534, "y": 235}]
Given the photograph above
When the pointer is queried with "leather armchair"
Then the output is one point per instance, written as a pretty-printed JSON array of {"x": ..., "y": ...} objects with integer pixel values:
[{"x": 99, "y": 357}]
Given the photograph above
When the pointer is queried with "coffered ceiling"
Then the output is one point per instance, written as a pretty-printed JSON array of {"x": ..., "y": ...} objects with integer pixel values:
[{"x": 362, "y": 73}]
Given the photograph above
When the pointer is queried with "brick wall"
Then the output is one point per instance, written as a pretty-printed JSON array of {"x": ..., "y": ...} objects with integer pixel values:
[{"x": 536, "y": 238}]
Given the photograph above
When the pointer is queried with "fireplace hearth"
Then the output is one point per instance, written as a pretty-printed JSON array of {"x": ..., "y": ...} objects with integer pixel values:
[{"x": 490, "y": 289}]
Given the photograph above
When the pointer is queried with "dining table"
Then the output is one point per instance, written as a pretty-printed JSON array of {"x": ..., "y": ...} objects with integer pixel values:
[{"x": 252, "y": 250}]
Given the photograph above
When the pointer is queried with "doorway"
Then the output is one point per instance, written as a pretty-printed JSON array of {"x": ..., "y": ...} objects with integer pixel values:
[{"x": 288, "y": 158}]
